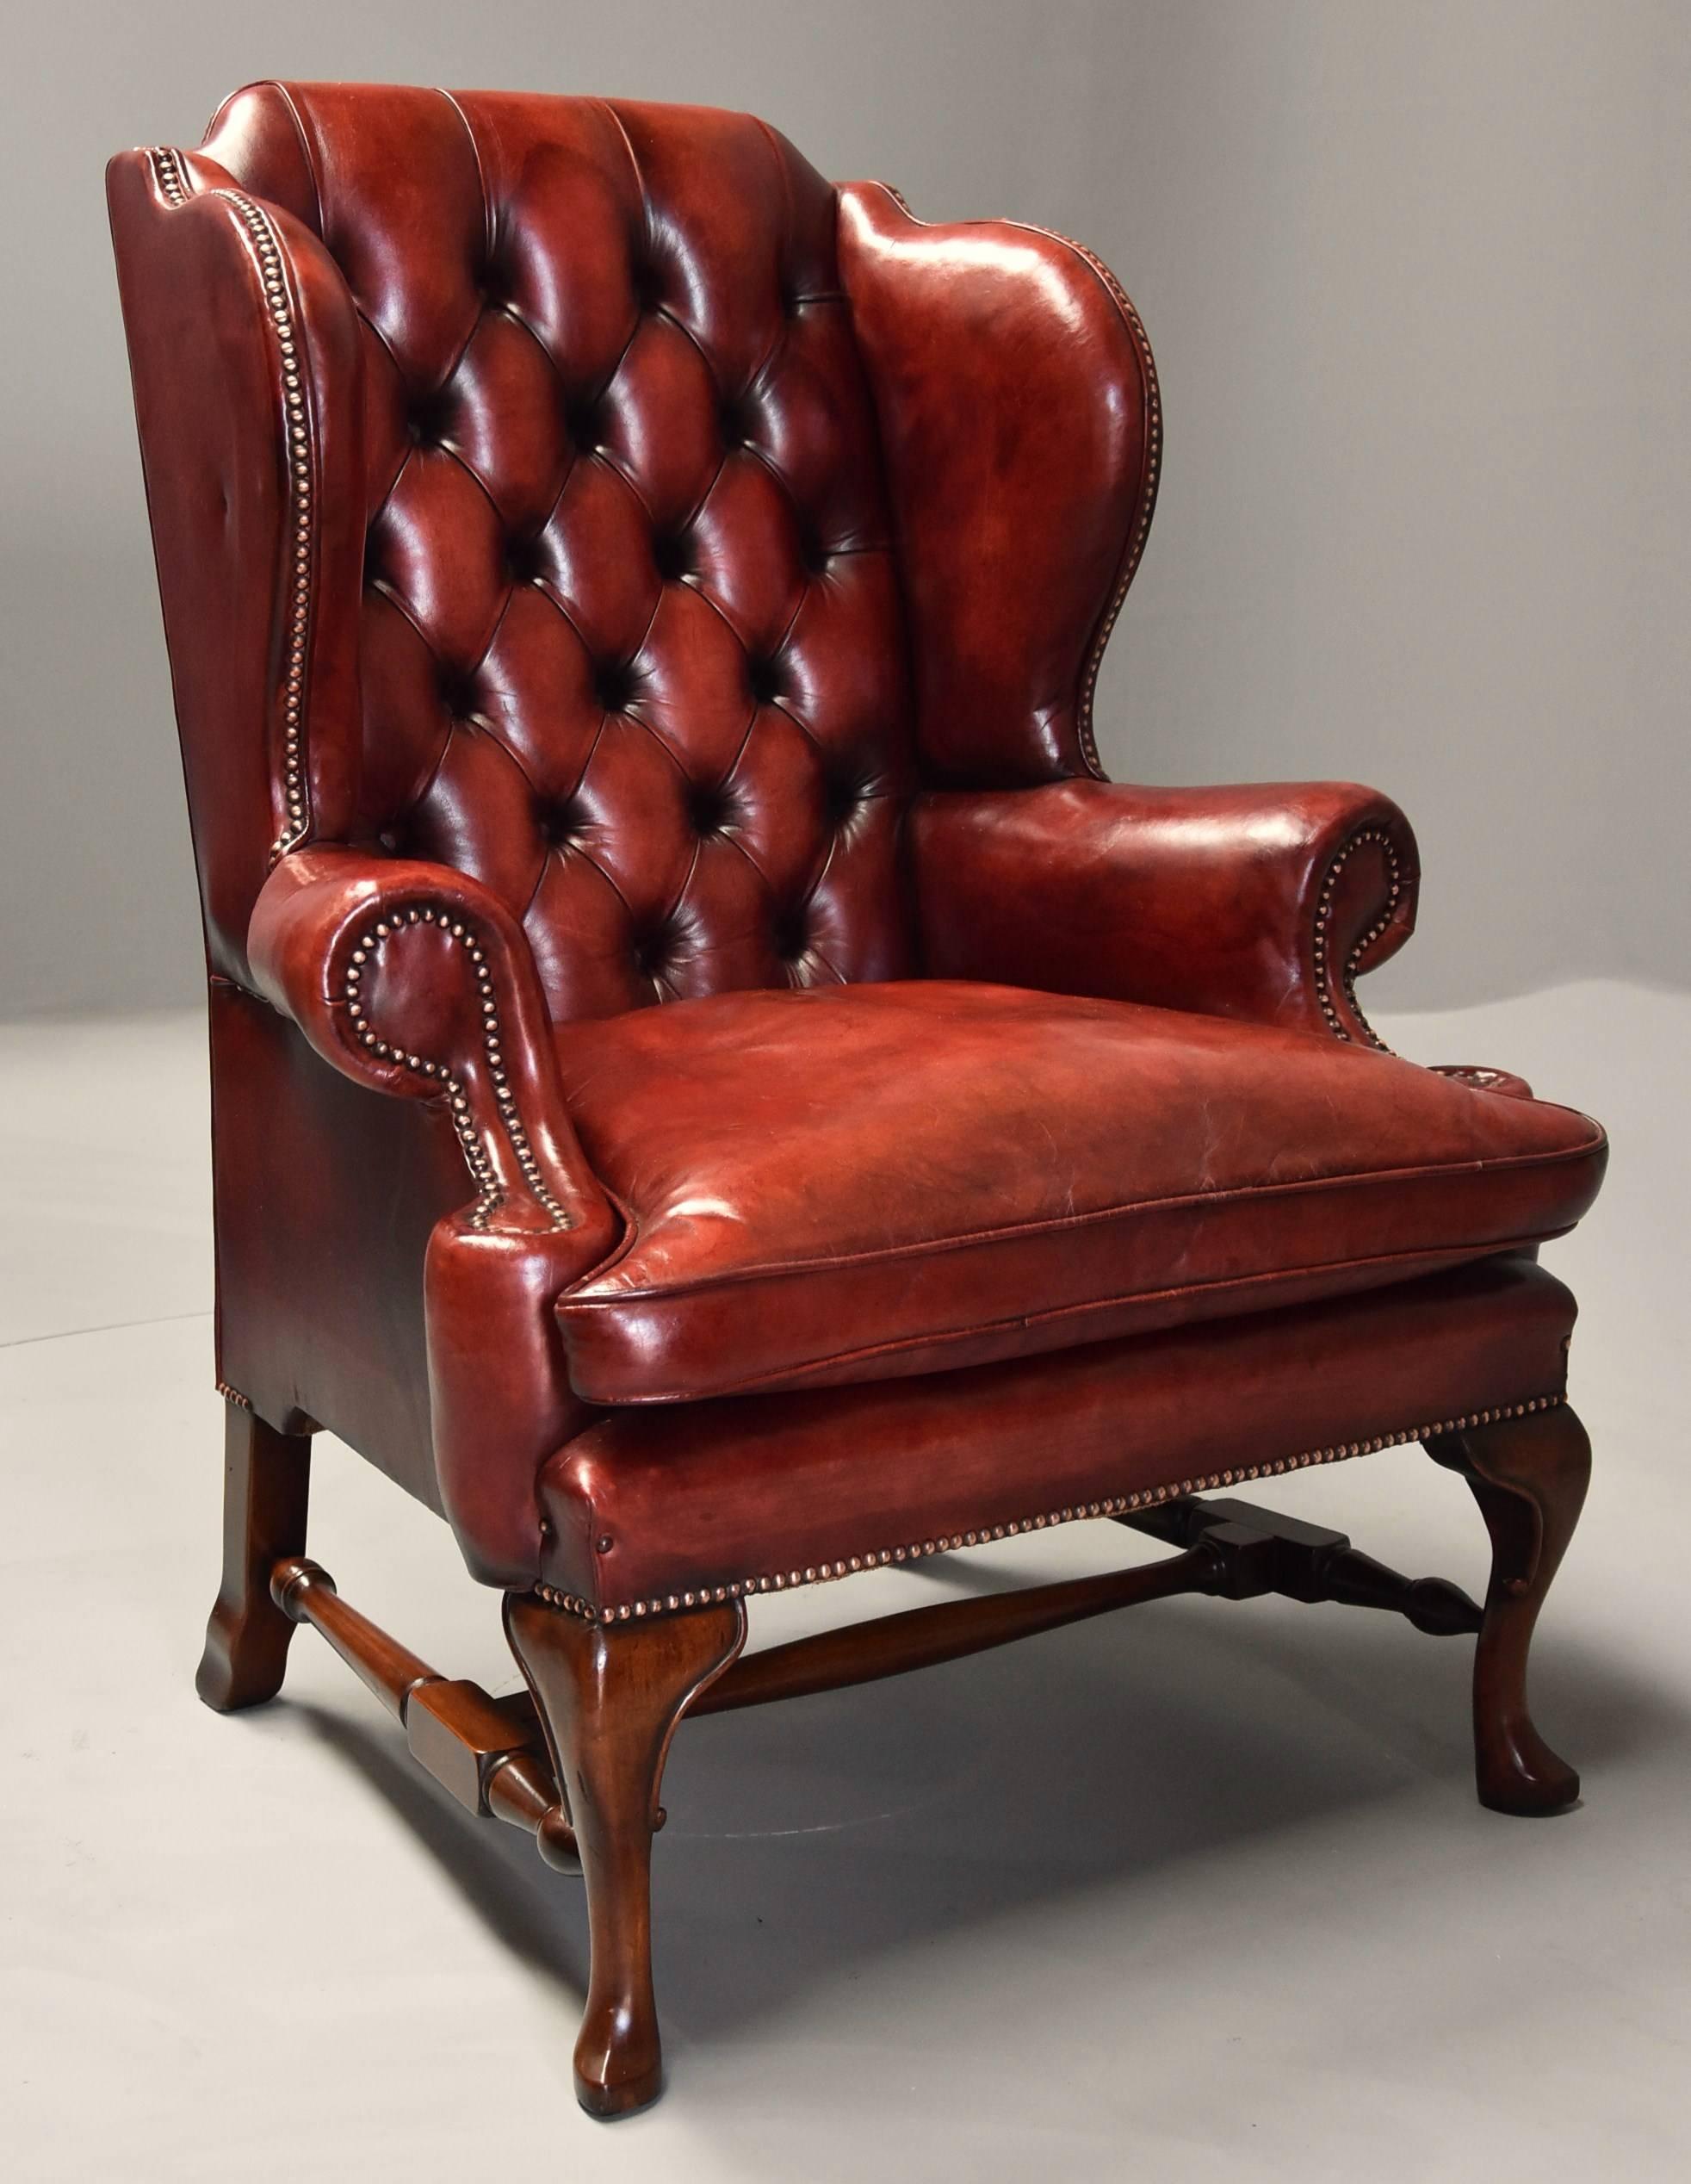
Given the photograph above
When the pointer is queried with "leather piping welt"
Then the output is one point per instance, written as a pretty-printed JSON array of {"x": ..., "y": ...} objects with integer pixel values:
[
  {"x": 1111, "y": 1505},
  {"x": 267, "y": 250},
  {"x": 1364, "y": 837},
  {"x": 482, "y": 1172}
]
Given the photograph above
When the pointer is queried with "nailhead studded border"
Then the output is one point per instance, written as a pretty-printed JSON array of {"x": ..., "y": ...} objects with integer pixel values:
[
  {"x": 173, "y": 182},
  {"x": 1135, "y": 548},
  {"x": 1364, "y": 837},
  {"x": 233, "y": 1395},
  {"x": 482, "y": 1173},
  {"x": 167, "y": 166},
  {"x": 1111, "y": 1505}
]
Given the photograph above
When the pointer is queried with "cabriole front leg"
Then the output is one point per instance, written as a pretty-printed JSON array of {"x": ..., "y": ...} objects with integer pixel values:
[
  {"x": 1529, "y": 1475},
  {"x": 610, "y": 1696},
  {"x": 266, "y": 1476}
]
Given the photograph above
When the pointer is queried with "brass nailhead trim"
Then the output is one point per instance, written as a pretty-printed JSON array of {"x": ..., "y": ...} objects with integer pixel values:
[
  {"x": 1142, "y": 528},
  {"x": 481, "y": 1170},
  {"x": 296, "y": 799},
  {"x": 167, "y": 166},
  {"x": 233, "y": 1395},
  {"x": 1111, "y": 1505},
  {"x": 1364, "y": 837}
]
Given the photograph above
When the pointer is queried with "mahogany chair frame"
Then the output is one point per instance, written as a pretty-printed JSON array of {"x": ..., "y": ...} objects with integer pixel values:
[{"x": 578, "y": 1760}]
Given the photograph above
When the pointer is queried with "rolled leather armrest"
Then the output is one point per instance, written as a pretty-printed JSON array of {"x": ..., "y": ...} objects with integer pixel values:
[
  {"x": 411, "y": 978},
  {"x": 1263, "y": 902}
]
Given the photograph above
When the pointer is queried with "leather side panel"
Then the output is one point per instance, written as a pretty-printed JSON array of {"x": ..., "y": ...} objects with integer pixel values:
[{"x": 325, "y": 1196}]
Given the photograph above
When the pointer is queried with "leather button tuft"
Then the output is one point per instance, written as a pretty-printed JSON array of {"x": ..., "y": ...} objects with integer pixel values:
[
  {"x": 614, "y": 684},
  {"x": 765, "y": 677},
  {"x": 647, "y": 282},
  {"x": 457, "y": 691},
  {"x": 428, "y": 420},
  {"x": 672, "y": 555},
  {"x": 524, "y": 561},
  {"x": 735, "y": 422},
  {"x": 653, "y": 952},
  {"x": 584, "y": 421},
  {"x": 792, "y": 933},
  {"x": 561, "y": 825},
  {"x": 842, "y": 800},
  {"x": 707, "y": 808}
]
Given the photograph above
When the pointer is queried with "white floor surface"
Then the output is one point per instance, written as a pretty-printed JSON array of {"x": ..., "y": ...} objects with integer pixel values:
[{"x": 1196, "y": 1892}]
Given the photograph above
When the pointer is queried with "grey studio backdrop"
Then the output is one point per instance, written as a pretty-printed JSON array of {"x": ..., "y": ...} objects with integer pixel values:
[{"x": 1415, "y": 277}]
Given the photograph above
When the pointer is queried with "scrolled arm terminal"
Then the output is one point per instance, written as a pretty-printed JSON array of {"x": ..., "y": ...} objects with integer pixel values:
[{"x": 411, "y": 978}]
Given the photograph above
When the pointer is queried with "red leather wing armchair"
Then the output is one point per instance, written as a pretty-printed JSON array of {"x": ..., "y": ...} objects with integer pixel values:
[{"x": 713, "y": 1090}]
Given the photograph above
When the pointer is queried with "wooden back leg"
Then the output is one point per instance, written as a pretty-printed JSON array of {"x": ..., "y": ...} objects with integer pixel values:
[
  {"x": 266, "y": 1477},
  {"x": 611, "y": 1696},
  {"x": 1529, "y": 1475}
]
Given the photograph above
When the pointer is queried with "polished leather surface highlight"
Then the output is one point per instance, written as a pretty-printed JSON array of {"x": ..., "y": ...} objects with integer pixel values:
[
  {"x": 891, "y": 1178},
  {"x": 604, "y": 564},
  {"x": 647, "y": 1503},
  {"x": 1018, "y": 414}
]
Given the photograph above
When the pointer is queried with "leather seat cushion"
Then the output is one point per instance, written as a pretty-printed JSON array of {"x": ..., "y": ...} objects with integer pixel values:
[{"x": 842, "y": 1184}]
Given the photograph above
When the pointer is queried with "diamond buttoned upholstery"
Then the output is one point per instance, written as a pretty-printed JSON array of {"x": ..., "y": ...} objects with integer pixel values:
[{"x": 631, "y": 641}]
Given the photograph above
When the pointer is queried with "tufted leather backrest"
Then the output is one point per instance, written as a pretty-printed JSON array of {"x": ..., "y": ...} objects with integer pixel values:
[{"x": 630, "y": 648}]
